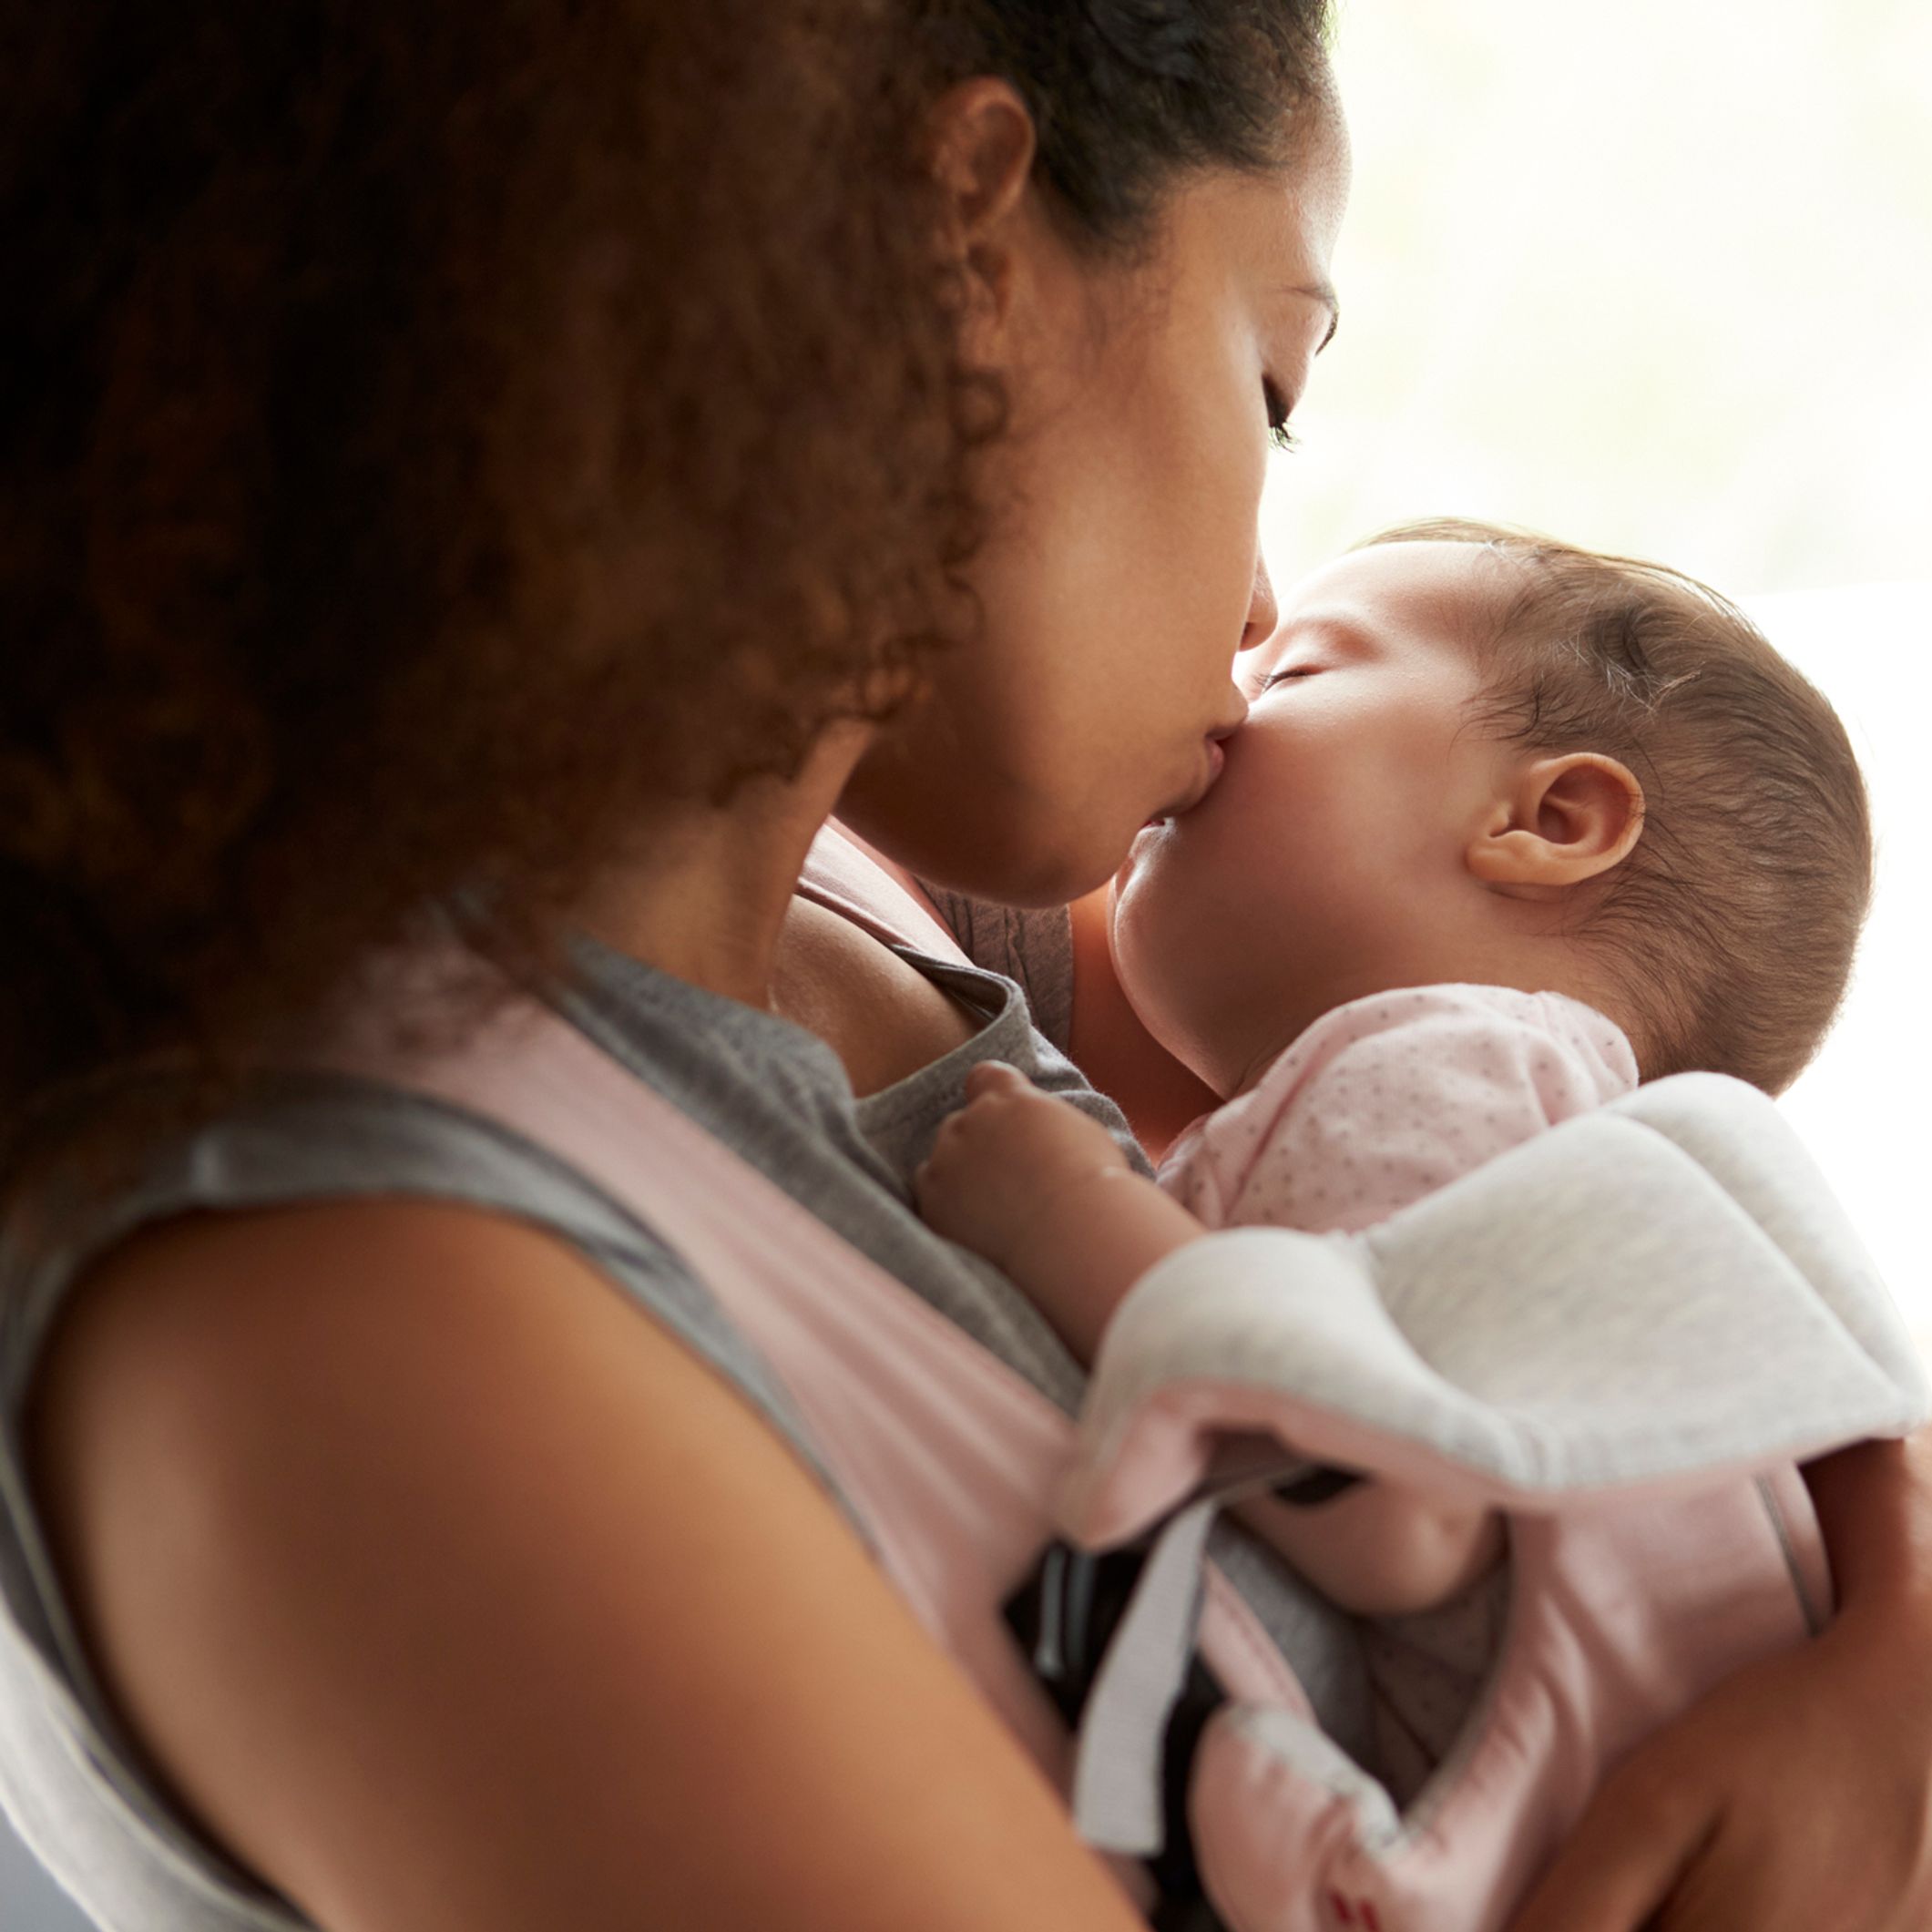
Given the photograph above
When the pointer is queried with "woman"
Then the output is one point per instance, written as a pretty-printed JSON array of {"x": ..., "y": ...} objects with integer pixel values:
[{"x": 429, "y": 522}]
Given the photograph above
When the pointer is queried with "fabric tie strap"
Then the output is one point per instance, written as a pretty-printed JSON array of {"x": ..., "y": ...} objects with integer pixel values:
[{"x": 1118, "y": 1774}]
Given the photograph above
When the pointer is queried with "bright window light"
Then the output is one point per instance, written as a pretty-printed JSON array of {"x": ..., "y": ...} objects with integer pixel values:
[{"x": 1658, "y": 279}]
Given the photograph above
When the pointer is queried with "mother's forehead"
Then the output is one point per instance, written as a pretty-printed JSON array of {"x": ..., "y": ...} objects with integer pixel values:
[{"x": 1283, "y": 220}]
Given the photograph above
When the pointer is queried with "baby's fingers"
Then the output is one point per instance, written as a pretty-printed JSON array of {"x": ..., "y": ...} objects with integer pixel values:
[{"x": 993, "y": 1077}]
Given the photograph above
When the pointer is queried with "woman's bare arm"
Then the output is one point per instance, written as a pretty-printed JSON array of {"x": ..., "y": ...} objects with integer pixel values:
[
  {"x": 452, "y": 1595},
  {"x": 1874, "y": 1508}
]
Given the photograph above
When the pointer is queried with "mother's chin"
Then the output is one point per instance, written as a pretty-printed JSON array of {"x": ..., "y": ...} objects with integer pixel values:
[
  {"x": 1009, "y": 857},
  {"x": 1014, "y": 837}
]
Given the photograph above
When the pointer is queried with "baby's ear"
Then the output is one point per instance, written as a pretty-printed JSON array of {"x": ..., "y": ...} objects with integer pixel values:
[{"x": 1562, "y": 820}]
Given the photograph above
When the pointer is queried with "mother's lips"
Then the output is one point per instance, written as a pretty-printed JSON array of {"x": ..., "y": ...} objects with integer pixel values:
[{"x": 1216, "y": 759}]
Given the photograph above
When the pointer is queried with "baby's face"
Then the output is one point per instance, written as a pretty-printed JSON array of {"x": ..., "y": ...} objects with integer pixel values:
[{"x": 1333, "y": 843}]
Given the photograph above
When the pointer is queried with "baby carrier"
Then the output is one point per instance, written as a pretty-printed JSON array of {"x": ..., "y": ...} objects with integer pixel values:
[{"x": 1623, "y": 1334}]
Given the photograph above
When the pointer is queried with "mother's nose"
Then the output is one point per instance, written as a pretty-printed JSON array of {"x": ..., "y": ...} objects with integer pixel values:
[{"x": 1263, "y": 615}]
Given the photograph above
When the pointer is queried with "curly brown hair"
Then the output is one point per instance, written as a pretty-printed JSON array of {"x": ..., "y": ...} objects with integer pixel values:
[
  {"x": 435, "y": 437},
  {"x": 1732, "y": 923}
]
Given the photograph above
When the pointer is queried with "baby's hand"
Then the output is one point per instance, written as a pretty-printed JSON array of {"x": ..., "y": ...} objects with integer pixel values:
[
  {"x": 1006, "y": 1171},
  {"x": 1042, "y": 1191}
]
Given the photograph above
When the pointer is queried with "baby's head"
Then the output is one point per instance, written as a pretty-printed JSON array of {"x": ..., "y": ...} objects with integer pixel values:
[{"x": 1478, "y": 754}]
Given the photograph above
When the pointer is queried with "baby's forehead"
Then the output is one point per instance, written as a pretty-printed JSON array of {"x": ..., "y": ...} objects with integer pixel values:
[{"x": 1420, "y": 592}]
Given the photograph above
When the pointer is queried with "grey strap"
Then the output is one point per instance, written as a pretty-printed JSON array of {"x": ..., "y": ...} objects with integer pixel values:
[{"x": 1118, "y": 1772}]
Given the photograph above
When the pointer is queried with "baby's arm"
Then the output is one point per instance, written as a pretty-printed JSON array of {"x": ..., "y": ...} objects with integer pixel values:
[{"x": 1044, "y": 1192}]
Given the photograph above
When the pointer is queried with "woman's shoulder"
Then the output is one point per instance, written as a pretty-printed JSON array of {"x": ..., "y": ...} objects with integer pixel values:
[
  {"x": 403, "y": 1484},
  {"x": 329, "y": 1148},
  {"x": 1032, "y": 946},
  {"x": 146, "y": 1329},
  {"x": 212, "y": 1361},
  {"x": 181, "y": 1343}
]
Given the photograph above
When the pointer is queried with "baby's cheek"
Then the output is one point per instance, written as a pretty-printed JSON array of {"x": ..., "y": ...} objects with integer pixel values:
[{"x": 1167, "y": 953}]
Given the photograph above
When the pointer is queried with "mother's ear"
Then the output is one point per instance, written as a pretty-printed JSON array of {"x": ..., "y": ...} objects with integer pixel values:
[
  {"x": 981, "y": 153},
  {"x": 1563, "y": 820}
]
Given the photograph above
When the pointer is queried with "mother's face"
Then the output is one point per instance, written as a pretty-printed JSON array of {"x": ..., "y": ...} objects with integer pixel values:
[{"x": 1123, "y": 571}]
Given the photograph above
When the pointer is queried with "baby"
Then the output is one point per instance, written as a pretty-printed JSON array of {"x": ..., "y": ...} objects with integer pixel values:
[{"x": 1510, "y": 827}]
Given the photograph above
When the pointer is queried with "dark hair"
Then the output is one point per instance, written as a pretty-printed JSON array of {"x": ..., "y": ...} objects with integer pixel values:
[
  {"x": 1732, "y": 922},
  {"x": 433, "y": 438},
  {"x": 1127, "y": 93}
]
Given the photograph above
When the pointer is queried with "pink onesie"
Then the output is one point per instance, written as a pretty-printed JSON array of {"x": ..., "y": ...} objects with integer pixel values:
[
  {"x": 1499, "y": 1713},
  {"x": 1386, "y": 1098},
  {"x": 1379, "y": 1102}
]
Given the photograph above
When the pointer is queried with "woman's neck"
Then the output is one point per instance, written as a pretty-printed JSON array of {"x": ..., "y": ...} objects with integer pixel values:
[
  {"x": 715, "y": 904},
  {"x": 706, "y": 896}
]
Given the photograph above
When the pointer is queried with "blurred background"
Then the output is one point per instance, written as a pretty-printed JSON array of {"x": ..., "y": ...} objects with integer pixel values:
[{"x": 1656, "y": 278}]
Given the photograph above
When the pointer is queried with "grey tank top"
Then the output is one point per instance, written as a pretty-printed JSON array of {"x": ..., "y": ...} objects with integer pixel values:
[{"x": 73, "y": 1782}]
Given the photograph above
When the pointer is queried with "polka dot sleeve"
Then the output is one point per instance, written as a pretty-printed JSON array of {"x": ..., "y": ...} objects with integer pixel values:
[{"x": 1386, "y": 1098}]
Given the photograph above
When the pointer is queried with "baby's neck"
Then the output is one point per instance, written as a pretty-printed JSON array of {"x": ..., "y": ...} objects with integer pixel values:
[
  {"x": 1158, "y": 1093},
  {"x": 1542, "y": 965}
]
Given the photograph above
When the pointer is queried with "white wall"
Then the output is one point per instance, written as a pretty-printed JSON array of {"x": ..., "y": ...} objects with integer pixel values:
[
  {"x": 1865, "y": 1105},
  {"x": 1657, "y": 277}
]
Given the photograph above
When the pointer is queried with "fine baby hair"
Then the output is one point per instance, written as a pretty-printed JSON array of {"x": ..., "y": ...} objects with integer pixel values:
[{"x": 1733, "y": 922}]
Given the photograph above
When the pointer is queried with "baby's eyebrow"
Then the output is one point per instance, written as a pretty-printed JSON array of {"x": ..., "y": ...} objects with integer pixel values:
[{"x": 1348, "y": 638}]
